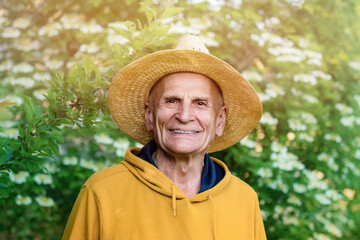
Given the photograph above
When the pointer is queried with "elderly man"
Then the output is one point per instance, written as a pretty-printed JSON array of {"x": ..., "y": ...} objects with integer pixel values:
[{"x": 181, "y": 103}]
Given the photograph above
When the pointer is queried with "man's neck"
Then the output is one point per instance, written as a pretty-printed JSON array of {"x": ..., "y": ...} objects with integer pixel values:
[{"x": 185, "y": 172}]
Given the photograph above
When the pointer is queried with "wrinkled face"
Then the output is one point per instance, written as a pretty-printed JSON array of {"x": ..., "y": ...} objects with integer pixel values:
[{"x": 185, "y": 112}]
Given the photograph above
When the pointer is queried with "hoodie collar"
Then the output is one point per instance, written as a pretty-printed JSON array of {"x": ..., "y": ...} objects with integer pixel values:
[{"x": 211, "y": 175}]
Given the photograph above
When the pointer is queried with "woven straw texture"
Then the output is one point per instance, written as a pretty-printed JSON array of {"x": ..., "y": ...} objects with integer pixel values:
[{"x": 130, "y": 88}]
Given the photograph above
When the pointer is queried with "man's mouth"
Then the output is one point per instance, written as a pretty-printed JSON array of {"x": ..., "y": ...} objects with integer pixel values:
[{"x": 183, "y": 131}]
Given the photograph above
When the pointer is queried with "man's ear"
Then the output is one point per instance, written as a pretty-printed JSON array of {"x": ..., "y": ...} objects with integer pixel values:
[
  {"x": 148, "y": 117},
  {"x": 220, "y": 121}
]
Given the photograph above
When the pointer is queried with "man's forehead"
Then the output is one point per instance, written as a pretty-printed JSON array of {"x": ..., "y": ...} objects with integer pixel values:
[{"x": 182, "y": 79}]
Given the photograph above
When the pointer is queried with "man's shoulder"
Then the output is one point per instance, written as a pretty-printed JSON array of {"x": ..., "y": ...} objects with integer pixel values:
[
  {"x": 107, "y": 175},
  {"x": 242, "y": 187}
]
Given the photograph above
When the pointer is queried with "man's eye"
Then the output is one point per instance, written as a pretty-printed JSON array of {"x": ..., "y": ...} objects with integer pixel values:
[
  {"x": 201, "y": 103},
  {"x": 170, "y": 101}
]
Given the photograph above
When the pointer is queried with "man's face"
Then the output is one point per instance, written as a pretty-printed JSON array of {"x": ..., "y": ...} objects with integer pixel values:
[{"x": 185, "y": 113}]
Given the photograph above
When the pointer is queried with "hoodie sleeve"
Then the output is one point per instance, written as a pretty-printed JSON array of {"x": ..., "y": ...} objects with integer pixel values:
[{"x": 84, "y": 220}]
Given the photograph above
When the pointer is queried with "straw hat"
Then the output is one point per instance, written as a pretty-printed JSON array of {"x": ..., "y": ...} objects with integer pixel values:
[{"x": 130, "y": 88}]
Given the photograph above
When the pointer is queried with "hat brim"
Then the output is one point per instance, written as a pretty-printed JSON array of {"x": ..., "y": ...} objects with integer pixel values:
[{"x": 130, "y": 88}]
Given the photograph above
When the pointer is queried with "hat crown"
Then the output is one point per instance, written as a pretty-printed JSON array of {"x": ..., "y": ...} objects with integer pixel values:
[{"x": 191, "y": 42}]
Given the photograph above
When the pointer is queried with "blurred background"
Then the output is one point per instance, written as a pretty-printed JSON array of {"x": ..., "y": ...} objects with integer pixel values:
[{"x": 57, "y": 59}]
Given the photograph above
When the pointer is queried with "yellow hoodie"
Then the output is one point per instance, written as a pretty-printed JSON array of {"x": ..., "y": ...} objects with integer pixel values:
[{"x": 134, "y": 200}]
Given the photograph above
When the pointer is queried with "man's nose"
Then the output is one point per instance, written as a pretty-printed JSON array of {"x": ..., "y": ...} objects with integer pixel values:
[{"x": 186, "y": 112}]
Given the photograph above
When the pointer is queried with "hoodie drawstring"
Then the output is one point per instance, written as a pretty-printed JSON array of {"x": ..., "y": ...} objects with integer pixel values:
[
  {"x": 173, "y": 194},
  {"x": 213, "y": 207}
]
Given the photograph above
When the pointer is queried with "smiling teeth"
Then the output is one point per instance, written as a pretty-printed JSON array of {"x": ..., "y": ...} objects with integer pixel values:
[{"x": 180, "y": 131}]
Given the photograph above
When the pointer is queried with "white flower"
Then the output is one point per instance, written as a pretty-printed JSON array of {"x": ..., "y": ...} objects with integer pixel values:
[
  {"x": 199, "y": 23},
  {"x": 265, "y": 172},
  {"x": 23, "y": 68},
  {"x": 310, "y": 99},
  {"x": 257, "y": 38},
  {"x": 357, "y": 154},
  {"x": 286, "y": 161},
  {"x": 264, "y": 97},
  {"x": 2, "y": 20},
  {"x": 45, "y": 201},
  {"x": 71, "y": 21},
  {"x": 50, "y": 167},
  {"x": 357, "y": 99},
  {"x": 303, "y": 42},
  {"x": 324, "y": 157},
  {"x": 287, "y": 220},
  {"x": 306, "y": 78},
  {"x": 19, "y": 177},
  {"x": 41, "y": 178},
  {"x": 26, "y": 44},
  {"x": 12, "y": 133},
  {"x": 343, "y": 108},
  {"x": 314, "y": 61},
  {"x": 8, "y": 124},
  {"x": 348, "y": 121},
  {"x": 289, "y": 58},
  {"x": 321, "y": 75},
  {"x": 89, "y": 48},
  {"x": 274, "y": 90},
  {"x": 308, "y": 118},
  {"x": 6, "y": 65},
  {"x": 299, "y": 188},
  {"x": 298, "y": 4},
  {"x": 26, "y": 82},
  {"x": 120, "y": 25},
  {"x": 21, "y": 200},
  {"x": 50, "y": 30},
  {"x": 320, "y": 236},
  {"x": 120, "y": 152},
  {"x": 103, "y": 138},
  {"x": 13, "y": 99},
  {"x": 267, "y": 118},
  {"x": 209, "y": 41},
  {"x": 42, "y": 76},
  {"x": 54, "y": 64},
  {"x": 122, "y": 143},
  {"x": 312, "y": 54},
  {"x": 278, "y": 147},
  {"x": 10, "y": 32},
  {"x": 332, "y": 194},
  {"x": 100, "y": 166},
  {"x": 314, "y": 181},
  {"x": 306, "y": 137},
  {"x": 332, "y": 165},
  {"x": 90, "y": 27},
  {"x": 252, "y": 75},
  {"x": 272, "y": 21},
  {"x": 70, "y": 160},
  {"x": 333, "y": 230},
  {"x": 322, "y": 199},
  {"x": 89, "y": 164},
  {"x": 296, "y": 125},
  {"x": 21, "y": 23},
  {"x": 113, "y": 38},
  {"x": 247, "y": 142},
  {"x": 332, "y": 137},
  {"x": 355, "y": 65},
  {"x": 39, "y": 94}
]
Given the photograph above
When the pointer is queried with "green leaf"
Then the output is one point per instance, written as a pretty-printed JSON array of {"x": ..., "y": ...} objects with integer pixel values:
[
  {"x": 171, "y": 12},
  {"x": 150, "y": 13},
  {"x": 3, "y": 194},
  {"x": 4, "y": 142}
]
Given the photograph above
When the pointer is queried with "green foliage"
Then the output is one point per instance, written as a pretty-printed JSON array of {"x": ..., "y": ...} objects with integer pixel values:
[{"x": 57, "y": 61}]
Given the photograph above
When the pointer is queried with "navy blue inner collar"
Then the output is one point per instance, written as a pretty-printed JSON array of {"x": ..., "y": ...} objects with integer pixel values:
[{"x": 212, "y": 173}]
